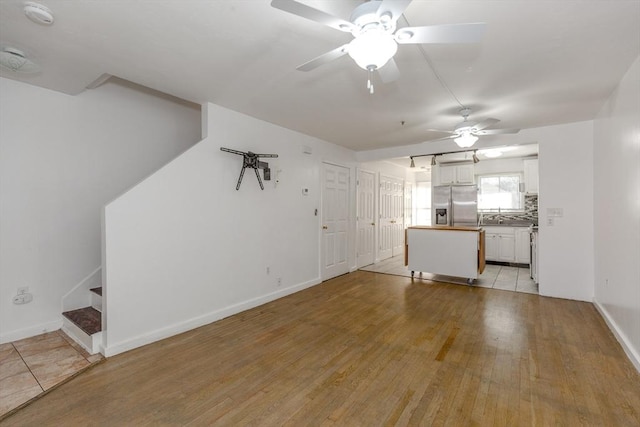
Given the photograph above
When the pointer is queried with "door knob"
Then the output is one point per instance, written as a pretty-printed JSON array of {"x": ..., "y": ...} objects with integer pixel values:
[
  {"x": 324, "y": 227},
  {"x": 373, "y": 223}
]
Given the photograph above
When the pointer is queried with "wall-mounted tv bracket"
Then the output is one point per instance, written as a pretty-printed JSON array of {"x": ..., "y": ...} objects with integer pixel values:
[{"x": 252, "y": 160}]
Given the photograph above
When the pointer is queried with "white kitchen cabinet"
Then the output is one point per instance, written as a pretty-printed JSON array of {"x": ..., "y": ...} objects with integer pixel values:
[
  {"x": 447, "y": 174},
  {"x": 464, "y": 174},
  {"x": 500, "y": 244},
  {"x": 457, "y": 174},
  {"x": 523, "y": 245},
  {"x": 531, "y": 176},
  {"x": 506, "y": 247},
  {"x": 491, "y": 246}
]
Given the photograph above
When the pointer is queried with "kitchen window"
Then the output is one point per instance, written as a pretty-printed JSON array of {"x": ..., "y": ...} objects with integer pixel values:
[{"x": 500, "y": 192}]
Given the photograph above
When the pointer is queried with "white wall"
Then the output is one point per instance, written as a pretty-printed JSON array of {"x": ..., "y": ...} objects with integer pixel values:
[
  {"x": 388, "y": 169},
  {"x": 617, "y": 212},
  {"x": 184, "y": 248},
  {"x": 61, "y": 159},
  {"x": 565, "y": 244}
]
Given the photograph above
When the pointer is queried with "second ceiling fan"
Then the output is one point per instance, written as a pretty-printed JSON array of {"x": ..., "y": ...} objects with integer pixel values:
[
  {"x": 373, "y": 26},
  {"x": 466, "y": 133}
]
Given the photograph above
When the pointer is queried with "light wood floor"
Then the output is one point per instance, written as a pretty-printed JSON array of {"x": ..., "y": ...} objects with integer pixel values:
[{"x": 367, "y": 349}]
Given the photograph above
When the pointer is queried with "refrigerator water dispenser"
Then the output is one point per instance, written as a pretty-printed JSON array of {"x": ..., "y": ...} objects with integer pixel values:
[{"x": 441, "y": 217}]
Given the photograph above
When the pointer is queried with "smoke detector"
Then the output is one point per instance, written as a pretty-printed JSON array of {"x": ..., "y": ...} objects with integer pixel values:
[
  {"x": 15, "y": 60},
  {"x": 38, "y": 13}
]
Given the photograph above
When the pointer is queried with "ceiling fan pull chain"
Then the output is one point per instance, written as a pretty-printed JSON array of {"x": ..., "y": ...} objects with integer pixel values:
[{"x": 369, "y": 83}]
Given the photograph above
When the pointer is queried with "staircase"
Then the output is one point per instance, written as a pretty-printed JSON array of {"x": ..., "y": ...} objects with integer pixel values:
[{"x": 84, "y": 325}]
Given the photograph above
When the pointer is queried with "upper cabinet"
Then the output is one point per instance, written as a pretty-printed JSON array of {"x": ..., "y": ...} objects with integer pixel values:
[
  {"x": 456, "y": 174},
  {"x": 531, "y": 176}
]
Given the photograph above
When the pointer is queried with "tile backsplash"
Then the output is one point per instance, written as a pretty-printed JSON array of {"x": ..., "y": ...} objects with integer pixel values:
[{"x": 530, "y": 212}]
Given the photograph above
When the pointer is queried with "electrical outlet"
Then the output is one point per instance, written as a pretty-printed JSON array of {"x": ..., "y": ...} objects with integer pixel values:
[
  {"x": 22, "y": 299},
  {"x": 23, "y": 290},
  {"x": 268, "y": 270},
  {"x": 279, "y": 281}
]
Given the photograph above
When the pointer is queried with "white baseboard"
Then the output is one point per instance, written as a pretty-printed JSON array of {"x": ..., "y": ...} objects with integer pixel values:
[
  {"x": 31, "y": 331},
  {"x": 111, "y": 349},
  {"x": 622, "y": 338}
]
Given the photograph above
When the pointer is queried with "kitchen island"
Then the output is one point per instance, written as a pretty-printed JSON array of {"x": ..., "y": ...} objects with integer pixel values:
[{"x": 448, "y": 250}]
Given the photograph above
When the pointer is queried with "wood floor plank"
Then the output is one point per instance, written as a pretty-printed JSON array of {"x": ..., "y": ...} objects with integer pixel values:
[{"x": 367, "y": 349}]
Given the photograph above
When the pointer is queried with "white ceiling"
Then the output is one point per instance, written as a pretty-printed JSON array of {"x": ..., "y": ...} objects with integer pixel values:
[{"x": 539, "y": 63}]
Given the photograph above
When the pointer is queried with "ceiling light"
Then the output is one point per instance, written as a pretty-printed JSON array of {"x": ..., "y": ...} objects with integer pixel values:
[
  {"x": 16, "y": 61},
  {"x": 466, "y": 139},
  {"x": 372, "y": 49},
  {"x": 38, "y": 13},
  {"x": 492, "y": 154},
  {"x": 413, "y": 164},
  {"x": 433, "y": 161}
]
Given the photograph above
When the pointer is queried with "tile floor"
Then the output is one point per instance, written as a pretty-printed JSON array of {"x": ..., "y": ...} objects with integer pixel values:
[
  {"x": 494, "y": 276},
  {"x": 34, "y": 365}
]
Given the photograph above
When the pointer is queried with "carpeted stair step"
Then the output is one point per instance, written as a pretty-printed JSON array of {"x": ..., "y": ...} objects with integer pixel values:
[{"x": 88, "y": 319}]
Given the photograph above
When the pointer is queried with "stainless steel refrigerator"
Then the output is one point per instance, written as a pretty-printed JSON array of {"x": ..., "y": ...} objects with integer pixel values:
[{"x": 455, "y": 205}]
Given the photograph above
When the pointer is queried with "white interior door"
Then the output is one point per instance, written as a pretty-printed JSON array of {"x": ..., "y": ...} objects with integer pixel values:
[
  {"x": 366, "y": 218},
  {"x": 391, "y": 229},
  {"x": 335, "y": 220}
]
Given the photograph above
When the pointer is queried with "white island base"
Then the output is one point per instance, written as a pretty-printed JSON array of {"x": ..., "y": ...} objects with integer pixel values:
[{"x": 450, "y": 251}]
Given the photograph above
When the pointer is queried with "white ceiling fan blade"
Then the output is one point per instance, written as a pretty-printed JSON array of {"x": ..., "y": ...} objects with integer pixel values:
[
  {"x": 441, "y": 131},
  {"x": 395, "y": 8},
  {"x": 442, "y": 139},
  {"x": 316, "y": 15},
  {"x": 324, "y": 58},
  {"x": 389, "y": 72},
  {"x": 484, "y": 124},
  {"x": 453, "y": 33},
  {"x": 496, "y": 131}
]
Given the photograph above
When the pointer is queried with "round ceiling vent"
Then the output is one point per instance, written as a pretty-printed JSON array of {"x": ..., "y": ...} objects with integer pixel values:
[
  {"x": 38, "y": 13},
  {"x": 15, "y": 60}
]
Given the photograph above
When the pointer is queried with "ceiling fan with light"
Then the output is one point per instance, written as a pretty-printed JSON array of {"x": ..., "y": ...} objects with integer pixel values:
[
  {"x": 466, "y": 133},
  {"x": 373, "y": 26}
]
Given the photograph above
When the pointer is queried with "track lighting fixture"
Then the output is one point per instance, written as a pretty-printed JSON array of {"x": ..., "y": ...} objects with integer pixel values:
[{"x": 475, "y": 158}]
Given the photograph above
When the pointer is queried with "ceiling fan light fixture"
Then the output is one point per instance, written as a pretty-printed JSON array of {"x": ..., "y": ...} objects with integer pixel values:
[
  {"x": 372, "y": 49},
  {"x": 466, "y": 139}
]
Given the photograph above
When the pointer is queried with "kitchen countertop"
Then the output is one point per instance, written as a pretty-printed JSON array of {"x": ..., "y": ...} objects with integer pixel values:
[
  {"x": 507, "y": 224},
  {"x": 444, "y": 227}
]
